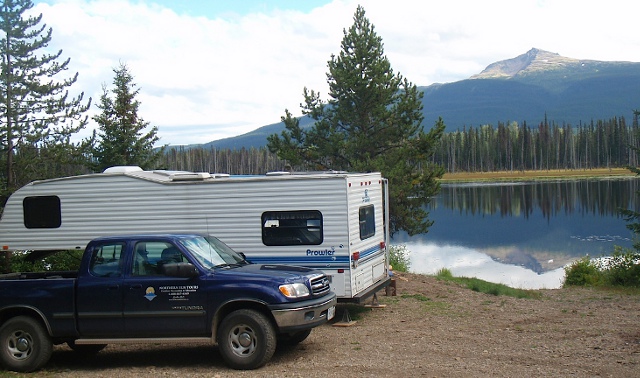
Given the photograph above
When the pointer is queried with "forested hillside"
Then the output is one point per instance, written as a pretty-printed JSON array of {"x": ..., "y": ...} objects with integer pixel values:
[{"x": 507, "y": 147}]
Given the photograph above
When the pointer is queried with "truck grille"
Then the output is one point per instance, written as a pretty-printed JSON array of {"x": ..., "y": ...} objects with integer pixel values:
[{"x": 319, "y": 284}]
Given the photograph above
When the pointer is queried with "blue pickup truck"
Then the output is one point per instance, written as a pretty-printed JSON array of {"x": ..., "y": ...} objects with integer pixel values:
[{"x": 161, "y": 288}]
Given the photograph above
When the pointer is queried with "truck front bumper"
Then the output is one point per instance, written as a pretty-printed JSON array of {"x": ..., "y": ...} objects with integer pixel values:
[{"x": 304, "y": 315}]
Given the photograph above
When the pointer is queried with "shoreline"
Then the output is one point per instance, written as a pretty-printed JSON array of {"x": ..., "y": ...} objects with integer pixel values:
[{"x": 553, "y": 174}]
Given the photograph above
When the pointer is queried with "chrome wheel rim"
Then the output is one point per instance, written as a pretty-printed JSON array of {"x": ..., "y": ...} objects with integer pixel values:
[
  {"x": 20, "y": 345},
  {"x": 243, "y": 340}
]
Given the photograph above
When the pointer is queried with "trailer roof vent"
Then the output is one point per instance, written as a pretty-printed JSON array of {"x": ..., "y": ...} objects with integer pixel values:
[
  {"x": 123, "y": 169},
  {"x": 189, "y": 176}
]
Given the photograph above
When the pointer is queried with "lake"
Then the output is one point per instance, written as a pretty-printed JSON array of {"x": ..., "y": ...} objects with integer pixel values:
[{"x": 522, "y": 234}]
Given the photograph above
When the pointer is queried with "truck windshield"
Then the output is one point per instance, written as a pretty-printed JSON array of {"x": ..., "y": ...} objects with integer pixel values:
[{"x": 211, "y": 252}]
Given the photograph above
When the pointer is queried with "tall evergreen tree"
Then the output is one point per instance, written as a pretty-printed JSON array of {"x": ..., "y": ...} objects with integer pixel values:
[
  {"x": 630, "y": 215},
  {"x": 36, "y": 111},
  {"x": 373, "y": 122},
  {"x": 121, "y": 139}
]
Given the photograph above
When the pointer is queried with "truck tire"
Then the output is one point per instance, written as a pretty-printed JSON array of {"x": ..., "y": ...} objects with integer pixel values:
[
  {"x": 25, "y": 345},
  {"x": 246, "y": 339}
]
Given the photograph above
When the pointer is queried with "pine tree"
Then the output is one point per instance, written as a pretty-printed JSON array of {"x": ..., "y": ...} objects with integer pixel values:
[
  {"x": 37, "y": 113},
  {"x": 120, "y": 139},
  {"x": 373, "y": 122}
]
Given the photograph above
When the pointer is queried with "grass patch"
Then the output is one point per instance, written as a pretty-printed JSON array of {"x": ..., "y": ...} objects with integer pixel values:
[
  {"x": 535, "y": 175},
  {"x": 429, "y": 304},
  {"x": 482, "y": 286},
  {"x": 418, "y": 297}
]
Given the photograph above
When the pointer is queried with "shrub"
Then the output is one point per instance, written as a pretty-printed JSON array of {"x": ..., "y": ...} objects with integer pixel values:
[
  {"x": 399, "y": 257},
  {"x": 63, "y": 260},
  {"x": 622, "y": 268},
  {"x": 583, "y": 272}
]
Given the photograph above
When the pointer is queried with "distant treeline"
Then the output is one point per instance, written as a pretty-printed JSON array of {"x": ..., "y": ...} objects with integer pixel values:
[
  {"x": 253, "y": 161},
  {"x": 513, "y": 147},
  {"x": 509, "y": 147}
]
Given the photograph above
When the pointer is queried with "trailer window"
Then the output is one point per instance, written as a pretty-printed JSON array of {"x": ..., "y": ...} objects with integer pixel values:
[
  {"x": 367, "y": 222},
  {"x": 302, "y": 227},
  {"x": 42, "y": 212}
]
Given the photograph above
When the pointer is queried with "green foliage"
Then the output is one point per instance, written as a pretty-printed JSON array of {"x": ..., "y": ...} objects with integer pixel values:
[
  {"x": 38, "y": 115},
  {"x": 583, "y": 272},
  {"x": 621, "y": 269},
  {"x": 399, "y": 257},
  {"x": 373, "y": 122},
  {"x": 482, "y": 286},
  {"x": 418, "y": 297},
  {"x": 444, "y": 274},
  {"x": 121, "y": 137},
  {"x": 63, "y": 260}
]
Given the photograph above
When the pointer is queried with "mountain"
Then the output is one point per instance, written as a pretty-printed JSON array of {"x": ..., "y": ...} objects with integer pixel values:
[
  {"x": 535, "y": 84},
  {"x": 525, "y": 88},
  {"x": 256, "y": 138}
]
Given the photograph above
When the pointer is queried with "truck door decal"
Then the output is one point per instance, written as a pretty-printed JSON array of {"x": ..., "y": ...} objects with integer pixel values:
[{"x": 150, "y": 293}]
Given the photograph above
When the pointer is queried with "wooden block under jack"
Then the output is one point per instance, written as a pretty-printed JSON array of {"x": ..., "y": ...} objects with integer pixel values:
[{"x": 346, "y": 320}]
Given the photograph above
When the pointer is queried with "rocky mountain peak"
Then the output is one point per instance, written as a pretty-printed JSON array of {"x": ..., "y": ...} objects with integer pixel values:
[{"x": 531, "y": 61}]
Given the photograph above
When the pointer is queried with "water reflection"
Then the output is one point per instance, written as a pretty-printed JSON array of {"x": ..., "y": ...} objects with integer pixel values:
[{"x": 522, "y": 234}]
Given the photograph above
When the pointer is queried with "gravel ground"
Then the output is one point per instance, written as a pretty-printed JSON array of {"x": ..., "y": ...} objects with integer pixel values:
[{"x": 430, "y": 328}]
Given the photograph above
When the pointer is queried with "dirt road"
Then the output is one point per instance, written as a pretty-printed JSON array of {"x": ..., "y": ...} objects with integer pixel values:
[{"x": 431, "y": 329}]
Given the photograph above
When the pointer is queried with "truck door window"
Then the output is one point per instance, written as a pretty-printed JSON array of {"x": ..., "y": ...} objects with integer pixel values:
[
  {"x": 150, "y": 256},
  {"x": 106, "y": 260},
  {"x": 303, "y": 227},
  {"x": 367, "y": 216},
  {"x": 42, "y": 212}
]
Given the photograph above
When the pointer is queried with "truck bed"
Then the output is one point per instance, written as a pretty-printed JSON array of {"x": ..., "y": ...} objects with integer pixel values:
[{"x": 39, "y": 275}]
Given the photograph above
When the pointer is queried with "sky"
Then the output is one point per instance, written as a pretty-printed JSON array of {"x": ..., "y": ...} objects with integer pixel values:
[{"x": 208, "y": 70}]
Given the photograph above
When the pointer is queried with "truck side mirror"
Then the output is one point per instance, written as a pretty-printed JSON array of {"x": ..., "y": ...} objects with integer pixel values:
[{"x": 180, "y": 269}]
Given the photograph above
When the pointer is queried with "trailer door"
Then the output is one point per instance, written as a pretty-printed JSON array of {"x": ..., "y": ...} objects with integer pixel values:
[{"x": 367, "y": 235}]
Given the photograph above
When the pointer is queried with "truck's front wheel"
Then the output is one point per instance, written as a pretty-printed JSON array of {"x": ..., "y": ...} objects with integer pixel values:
[
  {"x": 25, "y": 344},
  {"x": 246, "y": 339}
]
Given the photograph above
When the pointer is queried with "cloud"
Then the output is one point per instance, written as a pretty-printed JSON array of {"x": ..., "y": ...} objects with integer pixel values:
[{"x": 244, "y": 70}]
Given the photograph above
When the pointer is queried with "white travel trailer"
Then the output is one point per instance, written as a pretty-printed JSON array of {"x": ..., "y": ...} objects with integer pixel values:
[{"x": 333, "y": 221}]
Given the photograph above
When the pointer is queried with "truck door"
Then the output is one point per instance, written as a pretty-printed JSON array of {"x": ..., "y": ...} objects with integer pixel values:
[
  {"x": 99, "y": 293},
  {"x": 156, "y": 304}
]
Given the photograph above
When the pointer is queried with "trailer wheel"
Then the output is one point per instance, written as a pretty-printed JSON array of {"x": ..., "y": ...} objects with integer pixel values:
[
  {"x": 292, "y": 339},
  {"x": 25, "y": 345},
  {"x": 87, "y": 350},
  {"x": 246, "y": 339}
]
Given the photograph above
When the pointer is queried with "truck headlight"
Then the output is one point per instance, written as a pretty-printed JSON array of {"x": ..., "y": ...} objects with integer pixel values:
[{"x": 294, "y": 290}]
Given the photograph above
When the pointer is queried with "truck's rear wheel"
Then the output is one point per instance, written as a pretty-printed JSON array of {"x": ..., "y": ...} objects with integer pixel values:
[
  {"x": 25, "y": 345},
  {"x": 246, "y": 339}
]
